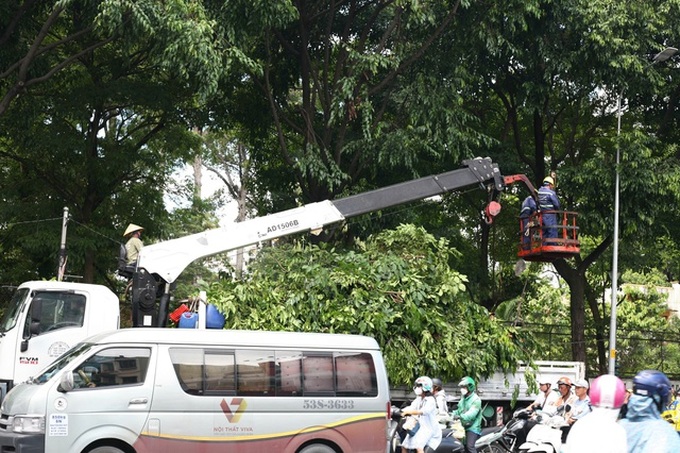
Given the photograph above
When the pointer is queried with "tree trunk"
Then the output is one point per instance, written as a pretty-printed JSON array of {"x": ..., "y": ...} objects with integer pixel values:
[
  {"x": 198, "y": 176},
  {"x": 88, "y": 268},
  {"x": 576, "y": 281},
  {"x": 600, "y": 329},
  {"x": 578, "y": 284}
]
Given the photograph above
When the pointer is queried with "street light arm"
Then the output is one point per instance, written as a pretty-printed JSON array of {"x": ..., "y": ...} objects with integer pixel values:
[{"x": 664, "y": 55}]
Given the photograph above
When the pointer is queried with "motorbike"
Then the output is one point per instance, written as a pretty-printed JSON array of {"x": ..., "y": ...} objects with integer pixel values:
[
  {"x": 449, "y": 443},
  {"x": 503, "y": 439},
  {"x": 672, "y": 416},
  {"x": 546, "y": 436}
]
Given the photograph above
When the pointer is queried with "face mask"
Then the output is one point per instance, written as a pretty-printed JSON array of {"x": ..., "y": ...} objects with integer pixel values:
[
  {"x": 463, "y": 391},
  {"x": 418, "y": 390}
]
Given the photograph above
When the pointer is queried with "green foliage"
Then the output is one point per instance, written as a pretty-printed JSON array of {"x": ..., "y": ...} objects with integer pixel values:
[
  {"x": 543, "y": 311},
  {"x": 349, "y": 102},
  {"x": 647, "y": 336},
  {"x": 396, "y": 286},
  {"x": 197, "y": 217},
  {"x": 102, "y": 136},
  {"x": 652, "y": 278}
]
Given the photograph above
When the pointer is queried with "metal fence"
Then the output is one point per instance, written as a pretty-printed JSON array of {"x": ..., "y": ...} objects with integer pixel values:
[{"x": 636, "y": 349}]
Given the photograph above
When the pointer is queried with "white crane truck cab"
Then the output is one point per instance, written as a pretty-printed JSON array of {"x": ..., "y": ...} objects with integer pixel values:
[
  {"x": 45, "y": 319},
  {"x": 149, "y": 390}
]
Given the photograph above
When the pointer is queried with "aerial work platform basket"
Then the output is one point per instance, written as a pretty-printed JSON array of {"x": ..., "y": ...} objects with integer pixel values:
[{"x": 539, "y": 242}]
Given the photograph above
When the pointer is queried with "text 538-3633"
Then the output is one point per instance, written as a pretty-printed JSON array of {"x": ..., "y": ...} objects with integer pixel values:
[{"x": 328, "y": 404}]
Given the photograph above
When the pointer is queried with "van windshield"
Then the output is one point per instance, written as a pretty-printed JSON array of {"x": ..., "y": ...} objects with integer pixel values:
[
  {"x": 9, "y": 319},
  {"x": 62, "y": 362}
]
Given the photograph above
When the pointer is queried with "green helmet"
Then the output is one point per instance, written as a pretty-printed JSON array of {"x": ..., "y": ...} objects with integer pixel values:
[{"x": 468, "y": 382}]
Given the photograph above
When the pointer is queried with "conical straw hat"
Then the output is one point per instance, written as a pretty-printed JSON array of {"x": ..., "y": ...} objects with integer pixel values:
[{"x": 131, "y": 229}]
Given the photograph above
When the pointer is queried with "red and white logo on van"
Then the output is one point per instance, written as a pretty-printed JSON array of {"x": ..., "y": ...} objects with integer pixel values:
[{"x": 234, "y": 410}]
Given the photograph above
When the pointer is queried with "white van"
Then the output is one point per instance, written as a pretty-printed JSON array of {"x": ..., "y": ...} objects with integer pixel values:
[{"x": 166, "y": 390}]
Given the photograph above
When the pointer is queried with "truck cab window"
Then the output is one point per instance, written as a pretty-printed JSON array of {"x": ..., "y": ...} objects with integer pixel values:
[
  {"x": 59, "y": 310},
  {"x": 12, "y": 310}
]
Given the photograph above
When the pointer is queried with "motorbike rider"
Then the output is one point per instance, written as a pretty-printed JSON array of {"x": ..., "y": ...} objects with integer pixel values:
[
  {"x": 598, "y": 431},
  {"x": 646, "y": 431},
  {"x": 564, "y": 401},
  {"x": 425, "y": 407},
  {"x": 545, "y": 396},
  {"x": 564, "y": 404},
  {"x": 581, "y": 405},
  {"x": 469, "y": 412},
  {"x": 440, "y": 397}
]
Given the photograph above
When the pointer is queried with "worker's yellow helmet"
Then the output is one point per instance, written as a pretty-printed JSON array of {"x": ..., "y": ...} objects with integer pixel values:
[
  {"x": 131, "y": 229},
  {"x": 548, "y": 180}
]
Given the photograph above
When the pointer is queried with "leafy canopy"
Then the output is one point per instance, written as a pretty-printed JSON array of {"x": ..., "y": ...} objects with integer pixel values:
[{"x": 396, "y": 286}]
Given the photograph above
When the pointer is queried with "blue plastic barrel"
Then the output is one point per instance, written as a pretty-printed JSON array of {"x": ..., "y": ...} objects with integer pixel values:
[{"x": 213, "y": 318}]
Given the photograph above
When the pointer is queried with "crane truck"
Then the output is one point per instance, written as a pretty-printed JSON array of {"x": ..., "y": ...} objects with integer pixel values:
[{"x": 35, "y": 328}]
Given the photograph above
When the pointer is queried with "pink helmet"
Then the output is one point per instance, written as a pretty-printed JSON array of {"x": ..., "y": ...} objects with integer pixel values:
[{"x": 607, "y": 391}]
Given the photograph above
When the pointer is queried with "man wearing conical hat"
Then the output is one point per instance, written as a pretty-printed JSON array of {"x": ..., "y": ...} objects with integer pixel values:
[{"x": 134, "y": 244}]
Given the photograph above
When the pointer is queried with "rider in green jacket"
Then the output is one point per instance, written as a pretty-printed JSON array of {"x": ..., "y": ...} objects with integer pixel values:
[{"x": 469, "y": 412}]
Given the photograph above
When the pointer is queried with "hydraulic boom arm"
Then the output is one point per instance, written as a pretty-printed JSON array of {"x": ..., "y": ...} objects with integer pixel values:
[{"x": 160, "y": 264}]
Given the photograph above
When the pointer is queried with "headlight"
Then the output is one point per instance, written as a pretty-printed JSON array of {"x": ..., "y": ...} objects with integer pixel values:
[{"x": 28, "y": 424}]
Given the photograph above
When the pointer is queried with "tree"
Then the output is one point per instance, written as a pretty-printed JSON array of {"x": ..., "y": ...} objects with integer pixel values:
[
  {"x": 229, "y": 159},
  {"x": 647, "y": 332},
  {"x": 106, "y": 123},
  {"x": 347, "y": 99},
  {"x": 41, "y": 39},
  {"x": 542, "y": 310},
  {"x": 396, "y": 286},
  {"x": 549, "y": 80}
]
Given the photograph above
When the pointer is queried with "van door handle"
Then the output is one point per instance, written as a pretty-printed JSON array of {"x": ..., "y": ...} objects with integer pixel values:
[{"x": 139, "y": 400}]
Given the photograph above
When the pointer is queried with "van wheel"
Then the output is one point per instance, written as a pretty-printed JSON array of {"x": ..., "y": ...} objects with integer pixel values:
[
  {"x": 317, "y": 448},
  {"x": 106, "y": 449}
]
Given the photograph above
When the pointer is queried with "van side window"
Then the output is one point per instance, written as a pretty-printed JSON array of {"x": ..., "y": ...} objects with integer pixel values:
[
  {"x": 355, "y": 375},
  {"x": 220, "y": 372},
  {"x": 289, "y": 379},
  {"x": 113, "y": 367},
  {"x": 317, "y": 372},
  {"x": 256, "y": 372},
  {"x": 205, "y": 372}
]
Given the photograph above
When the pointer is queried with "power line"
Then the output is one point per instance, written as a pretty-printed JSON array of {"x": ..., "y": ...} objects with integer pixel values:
[
  {"x": 94, "y": 231},
  {"x": 26, "y": 222}
]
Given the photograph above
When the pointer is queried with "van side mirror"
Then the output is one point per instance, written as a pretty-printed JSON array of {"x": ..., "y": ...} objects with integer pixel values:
[{"x": 66, "y": 383}]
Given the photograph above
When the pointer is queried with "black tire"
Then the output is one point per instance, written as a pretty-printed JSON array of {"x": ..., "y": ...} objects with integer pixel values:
[
  {"x": 394, "y": 445},
  {"x": 493, "y": 448},
  {"x": 317, "y": 448},
  {"x": 106, "y": 449}
]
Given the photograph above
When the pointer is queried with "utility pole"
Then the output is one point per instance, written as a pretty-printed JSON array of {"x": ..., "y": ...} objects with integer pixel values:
[{"x": 61, "y": 268}]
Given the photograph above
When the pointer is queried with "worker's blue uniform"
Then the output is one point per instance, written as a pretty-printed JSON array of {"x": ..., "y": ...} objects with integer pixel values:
[
  {"x": 528, "y": 208},
  {"x": 548, "y": 201}
]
